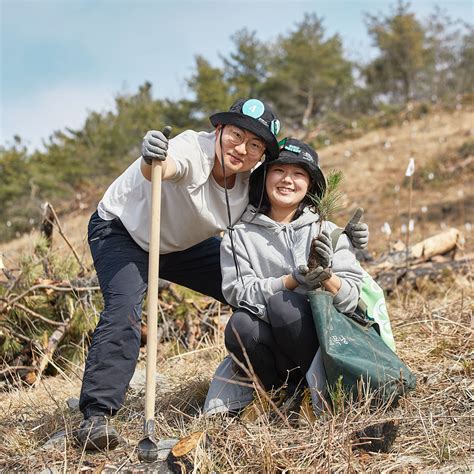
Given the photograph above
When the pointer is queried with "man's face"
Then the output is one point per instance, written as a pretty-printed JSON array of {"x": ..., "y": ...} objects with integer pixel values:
[{"x": 242, "y": 149}]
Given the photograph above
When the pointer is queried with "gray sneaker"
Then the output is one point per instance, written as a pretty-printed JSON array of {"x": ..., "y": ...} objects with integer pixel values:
[{"x": 96, "y": 434}]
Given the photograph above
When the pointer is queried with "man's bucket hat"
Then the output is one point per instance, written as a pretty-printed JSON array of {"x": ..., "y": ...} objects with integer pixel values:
[{"x": 256, "y": 117}]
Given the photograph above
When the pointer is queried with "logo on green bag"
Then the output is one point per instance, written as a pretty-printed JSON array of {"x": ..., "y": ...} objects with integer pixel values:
[{"x": 338, "y": 340}]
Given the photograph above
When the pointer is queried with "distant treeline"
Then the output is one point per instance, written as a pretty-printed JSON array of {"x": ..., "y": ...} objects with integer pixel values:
[{"x": 319, "y": 94}]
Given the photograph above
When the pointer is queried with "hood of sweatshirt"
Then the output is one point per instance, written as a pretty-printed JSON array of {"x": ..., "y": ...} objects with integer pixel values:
[{"x": 250, "y": 216}]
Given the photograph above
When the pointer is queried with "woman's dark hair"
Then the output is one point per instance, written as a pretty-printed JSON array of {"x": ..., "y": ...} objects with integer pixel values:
[{"x": 258, "y": 197}]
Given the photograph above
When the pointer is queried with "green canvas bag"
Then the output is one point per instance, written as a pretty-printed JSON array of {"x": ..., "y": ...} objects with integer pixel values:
[
  {"x": 372, "y": 304},
  {"x": 354, "y": 352}
]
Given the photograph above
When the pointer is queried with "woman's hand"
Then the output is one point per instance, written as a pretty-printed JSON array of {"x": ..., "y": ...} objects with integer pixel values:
[
  {"x": 311, "y": 279},
  {"x": 358, "y": 232},
  {"x": 323, "y": 247}
]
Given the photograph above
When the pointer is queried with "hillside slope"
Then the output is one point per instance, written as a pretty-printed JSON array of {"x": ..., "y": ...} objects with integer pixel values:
[
  {"x": 374, "y": 167},
  {"x": 374, "y": 178}
]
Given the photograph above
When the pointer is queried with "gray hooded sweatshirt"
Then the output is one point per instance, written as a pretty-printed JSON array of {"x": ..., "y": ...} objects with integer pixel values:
[{"x": 267, "y": 250}]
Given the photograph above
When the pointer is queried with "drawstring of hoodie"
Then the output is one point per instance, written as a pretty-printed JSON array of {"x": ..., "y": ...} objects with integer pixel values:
[
  {"x": 257, "y": 211},
  {"x": 230, "y": 227}
]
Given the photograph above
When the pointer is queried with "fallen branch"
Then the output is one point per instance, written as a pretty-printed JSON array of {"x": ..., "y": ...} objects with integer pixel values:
[
  {"x": 436, "y": 245},
  {"x": 423, "y": 251},
  {"x": 14, "y": 369},
  {"x": 53, "y": 343},
  {"x": 52, "y": 218},
  {"x": 46, "y": 286},
  {"x": 34, "y": 314}
]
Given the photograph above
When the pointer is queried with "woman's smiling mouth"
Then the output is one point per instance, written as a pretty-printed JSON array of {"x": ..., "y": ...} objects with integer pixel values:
[{"x": 285, "y": 190}]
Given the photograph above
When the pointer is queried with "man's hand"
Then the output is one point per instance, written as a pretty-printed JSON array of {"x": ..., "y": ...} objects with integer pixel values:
[
  {"x": 312, "y": 279},
  {"x": 358, "y": 232},
  {"x": 155, "y": 145}
]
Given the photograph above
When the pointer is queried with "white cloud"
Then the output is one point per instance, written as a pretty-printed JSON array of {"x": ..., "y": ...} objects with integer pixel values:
[{"x": 53, "y": 109}]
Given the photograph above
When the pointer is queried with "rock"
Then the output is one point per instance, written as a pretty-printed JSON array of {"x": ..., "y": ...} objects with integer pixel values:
[
  {"x": 139, "y": 379},
  {"x": 50, "y": 470},
  {"x": 73, "y": 404},
  {"x": 377, "y": 438},
  {"x": 409, "y": 460},
  {"x": 159, "y": 467},
  {"x": 57, "y": 441},
  {"x": 164, "y": 448}
]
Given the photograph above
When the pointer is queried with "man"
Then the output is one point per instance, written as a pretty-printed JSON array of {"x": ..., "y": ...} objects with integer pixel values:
[{"x": 198, "y": 170}]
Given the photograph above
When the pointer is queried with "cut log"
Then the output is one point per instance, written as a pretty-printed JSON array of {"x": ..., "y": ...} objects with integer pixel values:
[
  {"x": 436, "y": 245},
  {"x": 6, "y": 271}
]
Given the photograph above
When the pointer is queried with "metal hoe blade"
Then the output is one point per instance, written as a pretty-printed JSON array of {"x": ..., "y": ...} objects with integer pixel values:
[{"x": 147, "y": 449}]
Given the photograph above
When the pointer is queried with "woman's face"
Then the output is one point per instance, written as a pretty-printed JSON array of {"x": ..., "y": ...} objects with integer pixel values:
[{"x": 286, "y": 186}]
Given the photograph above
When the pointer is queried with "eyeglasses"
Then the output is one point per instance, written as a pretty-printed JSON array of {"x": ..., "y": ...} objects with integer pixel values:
[{"x": 236, "y": 136}]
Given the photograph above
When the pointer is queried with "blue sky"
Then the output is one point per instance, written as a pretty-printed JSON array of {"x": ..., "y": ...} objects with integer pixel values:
[{"x": 61, "y": 59}]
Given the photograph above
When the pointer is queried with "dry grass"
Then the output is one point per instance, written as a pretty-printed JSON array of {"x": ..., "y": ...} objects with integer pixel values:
[{"x": 434, "y": 338}]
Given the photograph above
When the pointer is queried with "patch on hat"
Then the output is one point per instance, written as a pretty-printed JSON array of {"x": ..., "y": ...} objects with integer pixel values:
[
  {"x": 253, "y": 108},
  {"x": 275, "y": 126},
  {"x": 306, "y": 156},
  {"x": 292, "y": 148}
]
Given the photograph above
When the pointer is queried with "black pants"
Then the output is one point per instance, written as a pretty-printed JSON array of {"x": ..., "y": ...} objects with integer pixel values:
[
  {"x": 122, "y": 269},
  {"x": 284, "y": 347}
]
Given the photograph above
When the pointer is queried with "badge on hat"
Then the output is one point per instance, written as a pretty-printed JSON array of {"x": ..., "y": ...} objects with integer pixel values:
[
  {"x": 275, "y": 126},
  {"x": 253, "y": 108}
]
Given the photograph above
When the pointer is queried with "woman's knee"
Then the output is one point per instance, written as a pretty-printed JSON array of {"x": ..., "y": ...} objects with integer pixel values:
[
  {"x": 241, "y": 332},
  {"x": 287, "y": 308},
  {"x": 275, "y": 307}
]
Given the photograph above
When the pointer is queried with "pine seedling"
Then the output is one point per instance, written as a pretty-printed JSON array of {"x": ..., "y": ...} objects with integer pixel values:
[
  {"x": 330, "y": 202},
  {"x": 326, "y": 206}
]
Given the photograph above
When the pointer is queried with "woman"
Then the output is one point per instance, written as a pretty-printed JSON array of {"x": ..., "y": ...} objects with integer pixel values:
[{"x": 272, "y": 324}]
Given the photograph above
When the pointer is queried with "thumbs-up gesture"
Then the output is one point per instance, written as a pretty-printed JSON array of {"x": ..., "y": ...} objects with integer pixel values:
[{"x": 358, "y": 232}]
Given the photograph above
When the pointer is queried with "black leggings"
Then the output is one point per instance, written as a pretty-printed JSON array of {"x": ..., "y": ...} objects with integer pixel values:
[{"x": 284, "y": 348}]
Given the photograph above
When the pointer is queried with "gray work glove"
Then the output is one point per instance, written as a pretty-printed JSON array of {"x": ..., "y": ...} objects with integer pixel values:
[
  {"x": 358, "y": 232},
  {"x": 299, "y": 274},
  {"x": 312, "y": 279},
  {"x": 315, "y": 277},
  {"x": 323, "y": 247},
  {"x": 155, "y": 145}
]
